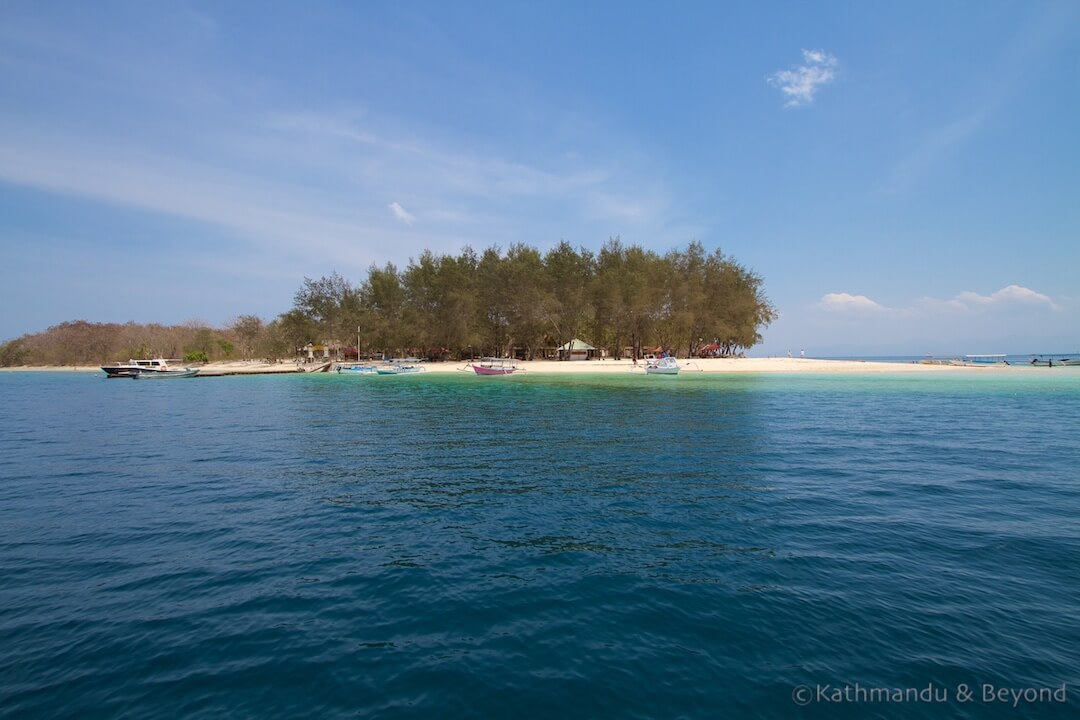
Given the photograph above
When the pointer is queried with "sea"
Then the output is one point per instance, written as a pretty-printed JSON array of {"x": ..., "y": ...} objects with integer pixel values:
[{"x": 541, "y": 546}]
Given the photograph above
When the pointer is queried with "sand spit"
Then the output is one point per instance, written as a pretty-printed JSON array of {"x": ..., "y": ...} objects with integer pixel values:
[{"x": 538, "y": 367}]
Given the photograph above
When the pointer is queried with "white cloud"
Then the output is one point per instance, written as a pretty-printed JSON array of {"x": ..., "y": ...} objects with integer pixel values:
[
  {"x": 1010, "y": 295},
  {"x": 1014, "y": 319},
  {"x": 844, "y": 302},
  {"x": 401, "y": 214},
  {"x": 801, "y": 83}
]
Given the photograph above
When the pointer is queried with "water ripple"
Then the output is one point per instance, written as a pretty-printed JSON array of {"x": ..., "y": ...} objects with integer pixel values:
[{"x": 553, "y": 546}]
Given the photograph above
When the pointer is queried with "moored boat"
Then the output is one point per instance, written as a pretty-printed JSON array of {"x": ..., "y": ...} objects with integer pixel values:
[
  {"x": 982, "y": 360},
  {"x": 157, "y": 368},
  {"x": 495, "y": 366},
  {"x": 1039, "y": 361},
  {"x": 359, "y": 369},
  {"x": 662, "y": 366},
  {"x": 400, "y": 370},
  {"x": 162, "y": 374},
  {"x": 402, "y": 366}
]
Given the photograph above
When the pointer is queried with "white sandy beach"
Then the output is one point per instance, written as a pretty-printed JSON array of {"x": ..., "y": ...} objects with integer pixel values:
[
  {"x": 711, "y": 365},
  {"x": 725, "y": 365}
]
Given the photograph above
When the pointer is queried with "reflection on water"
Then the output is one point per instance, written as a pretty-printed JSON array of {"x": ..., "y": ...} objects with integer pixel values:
[{"x": 625, "y": 475}]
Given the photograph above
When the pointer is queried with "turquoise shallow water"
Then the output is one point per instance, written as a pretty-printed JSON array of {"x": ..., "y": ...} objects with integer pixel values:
[{"x": 542, "y": 547}]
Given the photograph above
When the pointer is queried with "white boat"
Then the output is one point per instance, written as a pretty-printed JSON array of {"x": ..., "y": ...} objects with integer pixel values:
[
  {"x": 662, "y": 366},
  {"x": 158, "y": 368},
  {"x": 981, "y": 360}
]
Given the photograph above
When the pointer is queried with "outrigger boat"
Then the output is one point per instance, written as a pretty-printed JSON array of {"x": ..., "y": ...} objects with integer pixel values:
[
  {"x": 1039, "y": 361},
  {"x": 147, "y": 369},
  {"x": 495, "y": 366},
  {"x": 360, "y": 369},
  {"x": 403, "y": 366}
]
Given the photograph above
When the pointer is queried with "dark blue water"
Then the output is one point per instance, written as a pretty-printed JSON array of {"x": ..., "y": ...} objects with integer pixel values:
[{"x": 430, "y": 546}]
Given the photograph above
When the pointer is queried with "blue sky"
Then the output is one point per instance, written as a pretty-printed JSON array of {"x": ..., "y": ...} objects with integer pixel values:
[{"x": 905, "y": 176}]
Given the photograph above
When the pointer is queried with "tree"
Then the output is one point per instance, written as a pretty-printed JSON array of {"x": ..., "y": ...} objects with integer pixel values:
[
  {"x": 384, "y": 298},
  {"x": 13, "y": 352},
  {"x": 439, "y": 303},
  {"x": 493, "y": 309},
  {"x": 330, "y": 304},
  {"x": 522, "y": 271},
  {"x": 248, "y": 330},
  {"x": 567, "y": 274},
  {"x": 290, "y": 332}
]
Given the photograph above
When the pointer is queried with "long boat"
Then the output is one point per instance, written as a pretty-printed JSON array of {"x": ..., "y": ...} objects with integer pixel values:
[
  {"x": 400, "y": 366},
  {"x": 495, "y": 366},
  {"x": 162, "y": 374},
  {"x": 400, "y": 370},
  {"x": 1051, "y": 362},
  {"x": 982, "y": 360},
  {"x": 358, "y": 369}
]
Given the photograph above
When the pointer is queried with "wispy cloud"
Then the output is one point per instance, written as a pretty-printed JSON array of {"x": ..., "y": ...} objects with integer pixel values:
[
  {"x": 225, "y": 197},
  {"x": 401, "y": 214},
  {"x": 801, "y": 83},
  {"x": 935, "y": 146},
  {"x": 294, "y": 181}
]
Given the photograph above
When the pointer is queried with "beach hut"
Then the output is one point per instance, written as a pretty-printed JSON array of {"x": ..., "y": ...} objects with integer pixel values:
[{"x": 576, "y": 350}]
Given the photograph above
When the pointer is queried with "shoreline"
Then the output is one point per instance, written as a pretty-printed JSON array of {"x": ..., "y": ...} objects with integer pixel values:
[{"x": 598, "y": 367}]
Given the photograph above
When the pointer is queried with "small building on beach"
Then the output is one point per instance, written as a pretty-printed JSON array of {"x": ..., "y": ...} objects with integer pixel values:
[{"x": 576, "y": 350}]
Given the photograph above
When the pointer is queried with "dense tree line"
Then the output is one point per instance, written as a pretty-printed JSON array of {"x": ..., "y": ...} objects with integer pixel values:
[
  {"x": 624, "y": 299},
  {"x": 88, "y": 343}
]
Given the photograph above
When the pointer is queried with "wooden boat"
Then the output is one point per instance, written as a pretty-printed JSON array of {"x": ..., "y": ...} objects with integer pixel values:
[
  {"x": 662, "y": 366},
  {"x": 1051, "y": 362},
  {"x": 400, "y": 370},
  {"x": 166, "y": 373},
  {"x": 158, "y": 368},
  {"x": 495, "y": 366},
  {"x": 404, "y": 366},
  {"x": 361, "y": 369}
]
